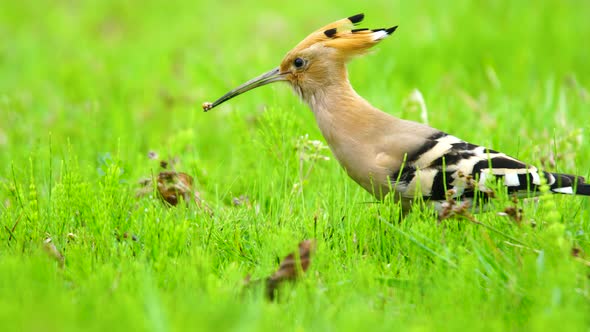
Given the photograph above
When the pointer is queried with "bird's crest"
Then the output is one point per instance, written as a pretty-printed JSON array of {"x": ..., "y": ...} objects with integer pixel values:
[
  {"x": 341, "y": 35},
  {"x": 319, "y": 57}
]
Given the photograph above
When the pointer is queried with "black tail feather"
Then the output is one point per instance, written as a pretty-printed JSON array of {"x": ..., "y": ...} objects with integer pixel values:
[
  {"x": 583, "y": 189},
  {"x": 566, "y": 183}
]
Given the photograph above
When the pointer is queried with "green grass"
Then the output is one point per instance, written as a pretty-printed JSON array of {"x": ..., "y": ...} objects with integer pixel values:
[{"x": 88, "y": 88}]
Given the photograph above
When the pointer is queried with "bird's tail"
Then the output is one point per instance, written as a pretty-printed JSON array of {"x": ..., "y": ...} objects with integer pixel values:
[
  {"x": 583, "y": 189},
  {"x": 568, "y": 184}
]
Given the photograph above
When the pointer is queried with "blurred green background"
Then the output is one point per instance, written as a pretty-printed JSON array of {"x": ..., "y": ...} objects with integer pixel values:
[{"x": 138, "y": 71}]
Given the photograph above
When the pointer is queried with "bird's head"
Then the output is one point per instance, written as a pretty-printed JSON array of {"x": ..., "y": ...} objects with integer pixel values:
[{"x": 318, "y": 60}]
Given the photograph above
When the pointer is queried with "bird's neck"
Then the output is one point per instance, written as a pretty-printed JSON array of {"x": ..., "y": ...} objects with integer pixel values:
[
  {"x": 353, "y": 129},
  {"x": 341, "y": 113}
]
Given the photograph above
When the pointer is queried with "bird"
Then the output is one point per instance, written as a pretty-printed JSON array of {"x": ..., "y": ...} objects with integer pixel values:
[{"x": 387, "y": 155}]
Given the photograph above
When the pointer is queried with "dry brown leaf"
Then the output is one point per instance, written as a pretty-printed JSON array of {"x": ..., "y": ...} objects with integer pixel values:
[
  {"x": 52, "y": 251},
  {"x": 579, "y": 255},
  {"x": 289, "y": 269},
  {"x": 514, "y": 212},
  {"x": 173, "y": 185},
  {"x": 450, "y": 207},
  {"x": 576, "y": 252},
  {"x": 11, "y": 231}
]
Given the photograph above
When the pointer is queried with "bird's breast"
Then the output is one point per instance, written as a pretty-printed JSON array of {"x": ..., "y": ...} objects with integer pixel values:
[{"x": 367, "y": 167}]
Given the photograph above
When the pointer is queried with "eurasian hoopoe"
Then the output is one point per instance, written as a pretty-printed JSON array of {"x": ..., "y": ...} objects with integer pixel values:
[{"x": 380, "y": 152}]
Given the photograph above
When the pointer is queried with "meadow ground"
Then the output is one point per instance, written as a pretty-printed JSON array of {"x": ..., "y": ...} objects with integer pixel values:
[{"x": 88, "y": 89}]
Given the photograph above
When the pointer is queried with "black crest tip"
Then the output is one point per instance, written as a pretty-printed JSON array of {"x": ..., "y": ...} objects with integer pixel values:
[
  {"x": 356, "y": 18},
  {"x": 330, "y": 32},
  {"x": 391, "y": 30}
]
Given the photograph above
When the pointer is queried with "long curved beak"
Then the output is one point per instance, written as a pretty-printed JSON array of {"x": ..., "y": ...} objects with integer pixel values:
[{"x": 266, "y": 78}]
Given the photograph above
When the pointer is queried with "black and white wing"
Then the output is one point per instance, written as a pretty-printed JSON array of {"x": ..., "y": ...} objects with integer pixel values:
[{"x": 445, "y": 162}]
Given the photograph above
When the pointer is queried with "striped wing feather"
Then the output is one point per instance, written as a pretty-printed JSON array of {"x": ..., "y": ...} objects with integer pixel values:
[{"x": 445, "y": 162}]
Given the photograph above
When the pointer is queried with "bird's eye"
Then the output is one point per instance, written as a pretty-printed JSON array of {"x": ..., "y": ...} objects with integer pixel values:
[{"x": 298, "y": 62}]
